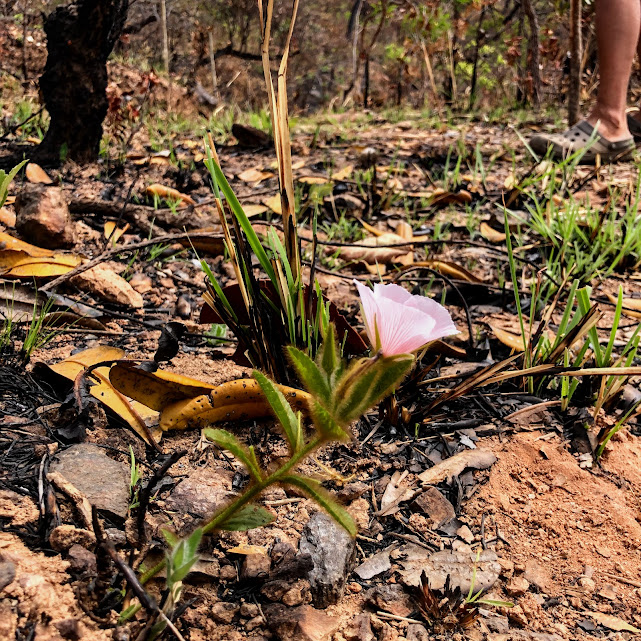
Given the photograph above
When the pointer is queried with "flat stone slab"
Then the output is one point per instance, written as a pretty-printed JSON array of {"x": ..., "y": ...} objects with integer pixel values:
[{"x": 102, "y": 480}]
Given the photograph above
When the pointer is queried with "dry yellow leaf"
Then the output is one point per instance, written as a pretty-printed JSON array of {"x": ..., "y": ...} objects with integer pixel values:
[
  {"x": 155, "y": 389},
  {"x": 274, "y": 204},
  {"x": 448, "y": 268},
  {"x": 631, "y": 306},
  {"x": 513, "y": 341},
  {"x": 163, "y": 191},
  {"x": 36, "y": 174},
  {"x": 254, "y": 210},
  {"x": 491, "y": 234},
  {"x": 9, "y": 242},
  {"x": 112, "y": 232},
  {"x": 245, "y": 549},
  {"x": 344, "y": 173},
  {"x": 43, "y": 267},
  {"x": 130, "y": 411},
  {"x": 9, "y": 257},
  {"x": 7, "y": 218},
  {"x": 314, "y": 180},
  {"x": 255, "y": 175}
]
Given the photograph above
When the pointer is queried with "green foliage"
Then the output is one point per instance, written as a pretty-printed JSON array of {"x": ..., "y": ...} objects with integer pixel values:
[{"x": 5, "y": 180}]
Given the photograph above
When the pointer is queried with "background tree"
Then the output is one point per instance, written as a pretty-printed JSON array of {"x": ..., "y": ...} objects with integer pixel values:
[{"x": 80, "y": 37}]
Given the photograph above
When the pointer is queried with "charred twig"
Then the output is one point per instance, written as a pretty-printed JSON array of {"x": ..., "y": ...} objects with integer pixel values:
[
  {"x": 146, "y": 600},
  {"x": 110, "y": 253},
  {"x": 145, "y": 494}
]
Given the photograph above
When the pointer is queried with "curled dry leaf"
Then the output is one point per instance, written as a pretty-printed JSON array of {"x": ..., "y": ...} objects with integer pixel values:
[
  {"x": 168, "y": 192},
  {"x": 373, "y": 254},
  {"x": 184, "y": 402},
  {"x": 255, "y": 175},
  {"x": 613, "y": 623},
  {"x": 314, "y": 180},
  {"x": 450, "y": 269},
  {"x": 274, "y": 203},
  {"x": 455, "y": 465},
  {"x": 254, "y": 210},
  {"x": 155, "y": 389},
  {"x": 112, "y": 232},
  {"x": 109, "y": 286},
  {"x": 132, "y": 412},
  {"x": 513, "y": 341},
  {"x": 36, "y": 174},
  {"x": 7, "y": 218},
  {"x": 491, "y": 234},
  {"x": 9, "y": 242},
  {"x": 343, "y": 173},
  {"x": 38, "y": 267},
  {"x": 631, "y": 306}
]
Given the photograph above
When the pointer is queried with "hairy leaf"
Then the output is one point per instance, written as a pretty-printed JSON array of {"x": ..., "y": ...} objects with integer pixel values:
[
  {"x": 228, "y": 441},
  {"x": 311, "y": 376},
  {"x": 248, "y": 518},
  {"x": 282, "y": 410}
]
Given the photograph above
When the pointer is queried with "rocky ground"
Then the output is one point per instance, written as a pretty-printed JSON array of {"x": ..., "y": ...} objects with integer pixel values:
[{"x": 491, "y": 493}]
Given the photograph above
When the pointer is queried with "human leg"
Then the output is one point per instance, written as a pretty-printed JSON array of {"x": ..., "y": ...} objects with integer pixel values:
[{"x": 618, "y": 25}]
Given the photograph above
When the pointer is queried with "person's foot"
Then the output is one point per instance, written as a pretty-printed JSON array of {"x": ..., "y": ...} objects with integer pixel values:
[
  {"x": 634, "y": 125},
  {"x": 582, "y": 137}
]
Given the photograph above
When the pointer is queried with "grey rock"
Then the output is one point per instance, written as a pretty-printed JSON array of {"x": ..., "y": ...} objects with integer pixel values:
[
  {"x": 413, "y": 559},
  {"x": 102, "y": 480},
  {"x": 82, "y": 560},
  {"x": 374, "y": 565},
  {"x": 391, "y": 598},
  {"x": 435, "y": 506},
  {"x": 302, "y": 623},
  {"x": 7, "y": 574},
  {"x": 417, "y": 632},
  {"x": 223, "y": 612},
  {"x": 202, "y": 493},
  {"x": 42, "y": 217},
  {"x": 333, "y": 553}
]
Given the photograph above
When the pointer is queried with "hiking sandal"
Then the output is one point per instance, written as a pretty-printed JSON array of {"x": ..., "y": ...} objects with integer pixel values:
[
  {"x": 578, "y": 138},
  {"x": 634, "y": 126}
]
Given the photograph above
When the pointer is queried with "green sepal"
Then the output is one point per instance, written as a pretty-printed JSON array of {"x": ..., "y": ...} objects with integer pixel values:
[
  {"x": 247, "y": 518},
  {"x": 326, "y": 425},
  {"x": 245, "y": 455},
  {"x": 183, "y": 557},
  {"x": 329, "y": 358},
  {"x": 314, "y": 490},
  {"x": 311, "y": 376},
  {"x": 282, "y": 410}
]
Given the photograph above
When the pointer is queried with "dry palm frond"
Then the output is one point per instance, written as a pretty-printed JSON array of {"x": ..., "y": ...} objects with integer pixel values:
[{"x": 445, "y": 609}]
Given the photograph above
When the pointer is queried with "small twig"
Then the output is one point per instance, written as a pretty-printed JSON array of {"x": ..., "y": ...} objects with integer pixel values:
[
  {"x": 145, "y": 495},
  {"x": 14, "y": 128},
  {"x": 145, "y": 599},
  {"x": 106, "y": 255},
  {"x": 622, "y": 579},
  {"x": 395, "y": 617}
]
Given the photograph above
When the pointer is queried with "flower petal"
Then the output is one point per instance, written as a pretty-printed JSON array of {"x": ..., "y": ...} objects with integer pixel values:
[
  {"x": 392, "y": 292},
  {"x": 370, "y": 308},
  {"x": 444, "y": 325}
]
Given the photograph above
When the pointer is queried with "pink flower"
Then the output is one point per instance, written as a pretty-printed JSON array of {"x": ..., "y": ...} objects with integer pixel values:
[{"x": 398, "y": 322}]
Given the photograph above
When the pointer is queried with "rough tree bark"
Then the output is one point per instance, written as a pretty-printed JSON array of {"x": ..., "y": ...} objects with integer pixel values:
[
  {"x": 574, "y": 89},
  {"x": 80, "y": 37},
  {"x": 534, "y": 58}
]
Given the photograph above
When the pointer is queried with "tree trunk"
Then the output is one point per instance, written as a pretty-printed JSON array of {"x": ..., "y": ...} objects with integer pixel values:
[
  {"x": 80, "y": 37},
  {"x": 534, "y": 59},
  {"x": 574, "y": 89}
]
